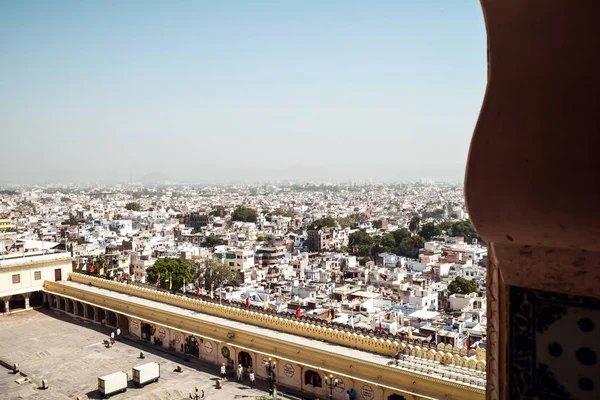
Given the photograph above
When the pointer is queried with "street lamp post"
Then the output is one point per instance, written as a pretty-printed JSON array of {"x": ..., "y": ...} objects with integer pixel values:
[
  {"x": 270, "y": 367},
  {"x": 331, "y": 383}
]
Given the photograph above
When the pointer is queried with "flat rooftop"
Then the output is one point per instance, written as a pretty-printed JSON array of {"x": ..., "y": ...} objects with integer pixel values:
[
  {"x": 432, "y": 369},
  {"x": 71, "y": 355},
  {"x": 292, "y": 339}
]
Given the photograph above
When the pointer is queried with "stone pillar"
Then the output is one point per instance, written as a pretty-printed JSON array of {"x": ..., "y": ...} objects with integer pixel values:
[
  {"x": 75, "y": 307},
  {"x": 85, "y": 310},
  {"x": 6, "y": 300},
  {"x": 27, "y": 296},
  {"x": 44, "y": 297}
]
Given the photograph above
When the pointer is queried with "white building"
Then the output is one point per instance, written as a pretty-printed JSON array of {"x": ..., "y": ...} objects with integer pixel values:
[{"x": 22, "y": 277}]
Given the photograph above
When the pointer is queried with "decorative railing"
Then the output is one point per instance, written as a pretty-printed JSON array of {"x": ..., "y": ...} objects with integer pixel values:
[{"x": 341, "y": 334}]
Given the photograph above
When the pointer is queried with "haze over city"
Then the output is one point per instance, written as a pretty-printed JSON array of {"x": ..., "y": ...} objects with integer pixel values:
[{"x": 232, "y": 90}]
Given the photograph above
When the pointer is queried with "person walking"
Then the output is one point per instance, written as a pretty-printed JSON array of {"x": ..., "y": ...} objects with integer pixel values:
[
  {"x": 223, "y": 371},
  {"x": 118, "y": 333},
  {"x": 252, "y": 380},
  {"x": 112, "y": 337},
  {"x": 240, "y": 373},
  {"x": 347, "y": 395},
  {"x": 352, "y": 394}
]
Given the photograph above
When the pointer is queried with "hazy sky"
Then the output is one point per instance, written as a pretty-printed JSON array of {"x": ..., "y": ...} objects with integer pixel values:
[{"x": 222, "y": 90}]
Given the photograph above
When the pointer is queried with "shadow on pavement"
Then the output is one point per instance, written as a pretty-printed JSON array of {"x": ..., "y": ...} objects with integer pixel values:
[{"x": 181, "y": 359}]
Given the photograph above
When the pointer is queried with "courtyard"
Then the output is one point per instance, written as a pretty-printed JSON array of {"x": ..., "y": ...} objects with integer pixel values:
[{"x": 71, "y": 354}]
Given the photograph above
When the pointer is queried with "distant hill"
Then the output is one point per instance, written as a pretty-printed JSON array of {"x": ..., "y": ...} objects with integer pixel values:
[{"x": 154, "y": 178}]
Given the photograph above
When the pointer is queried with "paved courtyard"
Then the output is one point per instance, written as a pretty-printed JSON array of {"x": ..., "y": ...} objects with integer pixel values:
[{"x": 71, "y": 355}]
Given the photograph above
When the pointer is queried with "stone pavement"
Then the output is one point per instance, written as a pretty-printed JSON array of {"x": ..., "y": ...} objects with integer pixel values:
[{"x": 70, "y": 353}]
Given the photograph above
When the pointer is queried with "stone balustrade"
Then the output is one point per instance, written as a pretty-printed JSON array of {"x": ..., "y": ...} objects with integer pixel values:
[{"x": 340, "y": 334}]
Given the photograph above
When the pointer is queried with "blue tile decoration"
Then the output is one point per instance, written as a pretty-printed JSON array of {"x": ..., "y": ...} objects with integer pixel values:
[{"x": 554, "y": 346}]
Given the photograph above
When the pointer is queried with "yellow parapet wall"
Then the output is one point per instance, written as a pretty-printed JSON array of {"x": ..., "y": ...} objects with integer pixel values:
[
  {"x": 306, "y": 329},
  {"x": 383, "y": 379}
]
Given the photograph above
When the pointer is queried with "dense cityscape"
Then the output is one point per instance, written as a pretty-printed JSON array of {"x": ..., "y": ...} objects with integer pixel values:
[{"x": 400, "y": 261}]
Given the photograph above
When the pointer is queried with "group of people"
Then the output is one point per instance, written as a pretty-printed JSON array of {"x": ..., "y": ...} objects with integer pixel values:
[
  {"x": 350, "y": 394},
  {"x": 240, "y": 374},
  {"x": 115, "y": 335}
]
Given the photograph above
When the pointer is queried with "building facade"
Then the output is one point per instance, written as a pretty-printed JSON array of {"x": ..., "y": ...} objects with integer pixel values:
[{"x": 22, "y": 277}]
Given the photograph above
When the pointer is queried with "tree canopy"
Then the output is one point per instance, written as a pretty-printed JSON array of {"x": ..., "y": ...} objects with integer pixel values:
[
  {"x": 345, "y": 222},
  {"x": 430, "y": 230},
  {"x": 133, "y": 206},
  {"x": 244, "y": 214},
  {"x": 219, "y": 211},
  {"x": 414, "y": 223},
  {"x": 326, "y": 222},
  {"x": 71, "y": 221},
  {"x": 463, "y": 286},
  {"x": 409, "y": 247},
  {"x": 211, "y": 240},
  {"x": 172, "y": 271},
  {"x": 466, "y": 230},
  {"x": 214, "y": 272}
]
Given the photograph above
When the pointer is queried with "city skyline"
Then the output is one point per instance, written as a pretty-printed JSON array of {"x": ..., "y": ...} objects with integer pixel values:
[{"x": 237, "y": 92}]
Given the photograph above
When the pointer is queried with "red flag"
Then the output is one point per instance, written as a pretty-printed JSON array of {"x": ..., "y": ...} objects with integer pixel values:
[
  {"x": 248, "y": 301},
  {"x": 92, "y": 269},
  {"x": 122, "y": 276},
  {"x": 198, "y": 291},
  {"x": 298, "y": 312},
  {"x": 158, "y": 283},
  {"x": 467, "y": 343},
  {"x": 380, "y": 326}
]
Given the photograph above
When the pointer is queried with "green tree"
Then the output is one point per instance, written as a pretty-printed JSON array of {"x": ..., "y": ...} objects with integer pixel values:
[
  {"x": 211, "y": 241},
  {"x": 285, "y": 213},
  {"x": 219, "y": 211},
  {"x": 133, "y": 206},
  {"x": 409, "y": 247},
  {"x": 174, "y": 270},
  {"x": 360, "y": 238},
  {"x": 430, "y": 230},
  {"x": 466, "y": 230},
  {"x": 401, "y": 234},
  {"x": 326, "y": 222},
  {"x": 360, "y": 217},
  {"x": 445, "y": 226},
  {"x": 463, "y": 286},
  {"x": 214, "y": 272},
  {"x": 414, "y": 223},
  {"x": 378, "y": 224},
  {"x": 262, "y": 238},
  {"x": 345, "y": 222},
  {"x": 244, "y": 214},
  {"x": 388, "y": 242},
  {"x": 71, "y": 221}
]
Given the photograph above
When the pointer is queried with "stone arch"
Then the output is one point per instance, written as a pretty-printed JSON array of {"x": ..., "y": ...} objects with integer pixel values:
[
  {"x": 90, "y": 312},
  {"x": 313, "y": 378},
  {"x": 36, "y": 299},
  {"x": 78, "y": 308},
  {"x": 101, "y": 315},
  {"x": 111, "y": 319},
  {"x": 17, "y": 301},
  {"x": 123, "y": 324}
]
